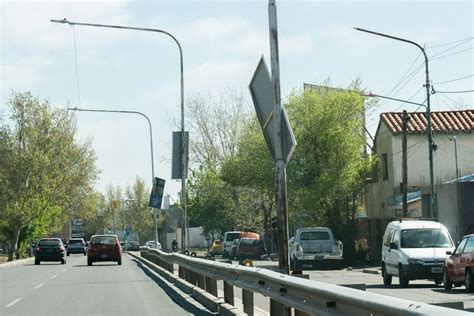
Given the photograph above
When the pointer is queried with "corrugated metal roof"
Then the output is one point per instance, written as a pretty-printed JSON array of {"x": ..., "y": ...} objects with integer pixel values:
[{"x": 442, "y": 122}]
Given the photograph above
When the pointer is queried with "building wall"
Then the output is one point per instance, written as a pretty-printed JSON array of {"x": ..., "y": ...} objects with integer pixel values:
[
  {"x": 379, "y": 191},
  {"x": 448, "y": 208}
]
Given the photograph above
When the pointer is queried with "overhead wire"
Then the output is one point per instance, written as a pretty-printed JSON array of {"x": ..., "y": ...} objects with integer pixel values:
[
  {"x": 455, "y": 53},
  {"x": 77, "y": 69},
  {"x": 447, "y": 50},
  {"x": 452, "y": 80},
  {"x": 451, "y": 43}
]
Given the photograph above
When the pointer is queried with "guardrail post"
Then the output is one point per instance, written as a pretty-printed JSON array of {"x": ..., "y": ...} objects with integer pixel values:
[
  {"x": 278, "y": 309},
  {"x": 181, "y": 273},
  {"x": 211, "y": 286},
  {"x": 228, "y": 293},
  {"x": 247, "y": 300},
  {"x": 170, "y": 268},
  {"x": 201, "y": 281}
]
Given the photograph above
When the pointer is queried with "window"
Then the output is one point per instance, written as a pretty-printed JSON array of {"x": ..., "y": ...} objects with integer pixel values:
[
  {"x": 384, "y": 167},
  {"x": 315, "y": 236},
  {"x": 425, "y": 238},
  {"x": 460, "y": 247},
  {"x": 469, "y": 245}
]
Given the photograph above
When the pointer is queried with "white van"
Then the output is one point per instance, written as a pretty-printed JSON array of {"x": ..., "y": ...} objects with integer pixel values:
[{"x": 413, "y": 250}]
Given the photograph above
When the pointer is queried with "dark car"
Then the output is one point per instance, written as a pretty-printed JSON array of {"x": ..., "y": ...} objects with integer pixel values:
[
  {"x": 50, "y": 249},
  {"x": 133, "y": 245},
  {"x": 459, "y": 266},
  {"x": 249, "y": 248},
  {"x": 104, "y": 248},
  {"x": 76, "y": 245}
]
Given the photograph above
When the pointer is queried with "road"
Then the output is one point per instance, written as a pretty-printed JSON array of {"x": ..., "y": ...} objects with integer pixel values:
[{"x": 76, "y": 289}]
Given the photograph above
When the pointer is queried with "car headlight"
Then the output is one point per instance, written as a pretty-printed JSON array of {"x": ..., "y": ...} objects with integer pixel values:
[{"x": 415, "y": 261}]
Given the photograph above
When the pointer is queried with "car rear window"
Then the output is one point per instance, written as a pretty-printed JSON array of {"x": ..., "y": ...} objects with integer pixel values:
[
  {"x": 106, "y": 240},
  {"x": 246, "y": 241},
  {"x": 315, "y": 236},
  {"x": 232, "y": 236},
  {"x": 76, "y": 241},
  {"x": 51, "y": 242}
]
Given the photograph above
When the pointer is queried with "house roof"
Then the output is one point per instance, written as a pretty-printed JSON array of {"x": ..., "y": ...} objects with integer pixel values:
[{"x": 461, "y": 121}]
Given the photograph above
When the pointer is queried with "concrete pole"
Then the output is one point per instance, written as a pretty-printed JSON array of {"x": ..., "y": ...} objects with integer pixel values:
[{"x": 405, "y": 119}]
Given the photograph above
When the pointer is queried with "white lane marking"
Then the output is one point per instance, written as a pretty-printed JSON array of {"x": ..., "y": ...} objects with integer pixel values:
[
  {"x": 13, "y": 302},
  {"x": 54, "y": 276},
  {"x": 38, "y": 286}
]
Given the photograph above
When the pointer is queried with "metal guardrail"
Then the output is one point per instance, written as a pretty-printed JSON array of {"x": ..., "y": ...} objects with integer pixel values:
[{"x": 306, "y": 297}]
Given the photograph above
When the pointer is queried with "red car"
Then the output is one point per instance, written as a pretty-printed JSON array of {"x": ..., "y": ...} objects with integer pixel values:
[
  {"x": 104, "y": 248},
  {"x": 249, "y": 248},
  {"x": 459, "y": 266}
]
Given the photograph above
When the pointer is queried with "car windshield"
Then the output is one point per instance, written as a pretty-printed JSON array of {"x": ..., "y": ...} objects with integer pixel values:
[
  {"x": 425, "y": 238},
  {"x": 106, "y": 240}
]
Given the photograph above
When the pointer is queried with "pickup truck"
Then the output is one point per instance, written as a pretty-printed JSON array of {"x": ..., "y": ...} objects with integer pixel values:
[{"x": 315, "y": 246}]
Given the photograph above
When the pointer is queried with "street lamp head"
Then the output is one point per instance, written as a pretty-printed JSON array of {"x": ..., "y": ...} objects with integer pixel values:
[
  {"x": 63, "y": 21},
  {"x": 452, "y": 138}
]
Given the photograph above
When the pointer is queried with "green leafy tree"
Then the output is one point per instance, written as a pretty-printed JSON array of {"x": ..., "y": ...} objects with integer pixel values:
[
  {"x": 42, "y": 168},
  {"x": 138, "y": 213}
]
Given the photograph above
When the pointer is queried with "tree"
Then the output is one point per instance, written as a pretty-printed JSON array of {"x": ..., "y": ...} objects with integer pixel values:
[
  {"x": 42, "y": 168},
  {"x": 217, "y": 124},
  {"x": 139, "y": 215}
]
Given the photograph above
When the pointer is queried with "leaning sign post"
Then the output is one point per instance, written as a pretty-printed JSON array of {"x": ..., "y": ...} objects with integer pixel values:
[{"x": 265, "y": 91}]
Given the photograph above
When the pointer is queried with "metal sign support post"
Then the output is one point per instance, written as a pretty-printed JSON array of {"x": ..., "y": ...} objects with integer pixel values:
[{"x": 280, "y": 163}]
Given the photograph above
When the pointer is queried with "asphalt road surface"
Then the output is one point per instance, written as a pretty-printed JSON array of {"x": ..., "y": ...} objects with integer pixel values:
[{"x": 77, "y": 289}]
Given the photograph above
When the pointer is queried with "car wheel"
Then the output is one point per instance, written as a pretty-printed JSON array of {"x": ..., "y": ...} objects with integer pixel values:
[
  {"x": 119, "y": 261},
  {"x": 85, "y": 253},
  {"x": 387, "y": 279},
  {"x": 67, "y": 254},
  {"x": 403, "y": 280},
  {"x": 63, "y": 261},
  {"x": 469, "y": 282},
  {"x": 448, "y": 285},
  {"x": 89, "y": 262},
  {"x": 298, "y": 265},
  {"x": 438, "y": 281},
  {"x": 37, "y": 262}
]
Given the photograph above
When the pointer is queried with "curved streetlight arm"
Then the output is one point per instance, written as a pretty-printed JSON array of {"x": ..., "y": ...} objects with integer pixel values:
[
  {"x": 183, "y": 140},
  {"x": 434, "y": 211},
  {"x": 127, "y": 112}
]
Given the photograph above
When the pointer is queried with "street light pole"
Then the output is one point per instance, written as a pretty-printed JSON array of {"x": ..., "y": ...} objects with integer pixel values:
[
  {"x": 183, "y": 140},
  {"x": 151, "y": 149},
  {"x": 434, "y": 212},
  {"x": 455, "y": 141}
]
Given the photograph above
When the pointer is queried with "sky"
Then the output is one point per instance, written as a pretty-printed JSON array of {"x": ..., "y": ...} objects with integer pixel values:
[{"x": 222, "y": 42}]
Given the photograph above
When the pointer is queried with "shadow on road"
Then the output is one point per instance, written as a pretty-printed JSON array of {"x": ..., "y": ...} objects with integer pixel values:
[
  {"x": 411, "y": 286},
  {"x": 456, "y": 291},
  {"x": 172, "y": 293}
]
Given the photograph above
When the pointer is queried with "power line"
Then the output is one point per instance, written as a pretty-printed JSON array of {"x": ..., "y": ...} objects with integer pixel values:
[
  {"x": 455, "y": 53},
  {"x": 462, "y": 91},
  {"x": 447, "y": 50},
  {"x": 75, "y": 61},
  {"x": 452, "y": 43},
  {"x": 452, "y": 80},
  {"x": 404, "y": 75}
]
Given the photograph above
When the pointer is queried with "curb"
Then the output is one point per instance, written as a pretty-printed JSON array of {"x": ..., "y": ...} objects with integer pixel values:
[
  {"x": 371, "y": 271},
  {"x": 15, "y": 262}
]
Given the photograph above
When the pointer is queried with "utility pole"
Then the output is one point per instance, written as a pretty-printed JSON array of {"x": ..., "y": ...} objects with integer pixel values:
[{"x": 405, "y": 119}]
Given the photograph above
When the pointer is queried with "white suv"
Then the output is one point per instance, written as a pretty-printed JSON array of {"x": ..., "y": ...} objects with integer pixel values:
[{"x": 413, "y": 250}]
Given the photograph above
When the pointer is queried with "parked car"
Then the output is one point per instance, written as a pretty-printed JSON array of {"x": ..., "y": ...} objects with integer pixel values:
[
  {"x": 249, "y": 248},
  {"x": 233, "y": 249},
  {"x": 217, "y": 248},
  {"x": 104, "y": 248},
  {"x": 76, "y": 245},
  {"x": 229, "y": 238},
  {"x": 414, "y": 250},
  {"x": 459, "y": 266},
  {"x": 315, "y": 246},
  {"x": 50, "y": 249},
  {"x": 133, "y": 245},
  {"x": 153, "y": 244}
]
